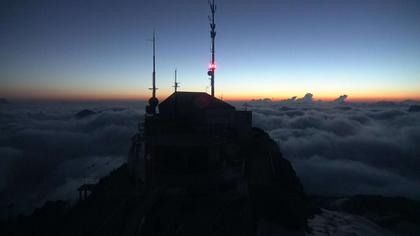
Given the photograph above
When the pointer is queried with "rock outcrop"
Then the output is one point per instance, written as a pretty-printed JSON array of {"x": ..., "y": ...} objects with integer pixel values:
[{"x": 275, "y": 191}]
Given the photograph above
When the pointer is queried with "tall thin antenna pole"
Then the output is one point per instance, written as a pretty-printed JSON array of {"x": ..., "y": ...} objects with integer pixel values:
[
  {"x": 212, "y": 66},
  {"x": 153, "y": 101},
  {"x": 176, "y": 84},
  {"x": 154, "y": 65}
]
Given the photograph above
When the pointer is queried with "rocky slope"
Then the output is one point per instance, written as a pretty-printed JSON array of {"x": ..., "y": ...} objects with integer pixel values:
[
  {"x": 378, "y": 215},
  {"x": 258, "y": 193}
]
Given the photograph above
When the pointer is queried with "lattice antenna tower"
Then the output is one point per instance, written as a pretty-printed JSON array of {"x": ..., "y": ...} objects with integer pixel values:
[
  {"x": 212, "y": 66},
  {"x": 153, "y": 101}
]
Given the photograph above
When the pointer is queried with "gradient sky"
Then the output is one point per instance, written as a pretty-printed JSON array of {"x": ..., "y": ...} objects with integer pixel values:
[{"x": 98, "y": 49}]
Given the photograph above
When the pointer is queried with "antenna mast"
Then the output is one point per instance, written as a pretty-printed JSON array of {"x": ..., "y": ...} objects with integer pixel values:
[
  {"x": 176, "y": 84},
  {"x": 212, "y": 66},
  {"x": 154, "y": 65},
  {"x": 153, "y": 101}
]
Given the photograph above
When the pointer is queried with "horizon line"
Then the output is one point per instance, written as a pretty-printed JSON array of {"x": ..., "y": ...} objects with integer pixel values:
[{"x": 227, "y": 99}]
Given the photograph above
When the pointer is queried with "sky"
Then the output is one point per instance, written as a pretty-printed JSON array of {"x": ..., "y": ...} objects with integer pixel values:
[{"x": 369, "y": 50}]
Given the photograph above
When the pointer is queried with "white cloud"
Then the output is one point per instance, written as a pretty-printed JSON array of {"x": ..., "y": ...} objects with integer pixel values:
[
  {"x": 369, "y": 148},
  {"x": 44, "y": 149}
]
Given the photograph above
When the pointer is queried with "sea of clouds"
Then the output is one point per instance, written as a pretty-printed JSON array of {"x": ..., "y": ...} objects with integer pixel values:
[
  {"x": 336, "y": 148},
  {"x": 47, "y": 152},
  {"x": 342, "y": 148}
]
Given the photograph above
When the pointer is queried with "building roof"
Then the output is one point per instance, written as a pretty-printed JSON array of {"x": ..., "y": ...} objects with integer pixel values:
[
  {"x": 184, "y": 140},
  {"x": 192, "y": 102}
]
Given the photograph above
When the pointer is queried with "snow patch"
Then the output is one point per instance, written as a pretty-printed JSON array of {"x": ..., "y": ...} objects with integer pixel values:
[{"x": 343, "y": 224}]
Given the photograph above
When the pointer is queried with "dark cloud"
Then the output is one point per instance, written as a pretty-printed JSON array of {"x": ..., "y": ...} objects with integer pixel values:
[
  {"x": 386, "y": 115},
  {"x": 341, "y": 99},
  {"x": 345, "y": 177},
  {"x": 362, "y": 148}
]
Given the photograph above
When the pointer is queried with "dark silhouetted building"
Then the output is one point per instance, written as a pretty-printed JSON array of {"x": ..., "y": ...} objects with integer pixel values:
[{"x": 186, "y": 141}]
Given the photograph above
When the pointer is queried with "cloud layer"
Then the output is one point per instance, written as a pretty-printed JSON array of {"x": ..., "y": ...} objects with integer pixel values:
[
  {"x": 46, "y": 152},
  {"x": 343, "y": 148},
  {"x": 337, "y": 148}
]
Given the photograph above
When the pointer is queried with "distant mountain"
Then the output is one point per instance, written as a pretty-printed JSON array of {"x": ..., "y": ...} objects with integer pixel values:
[
  {"x": 4, "y": 101},
  {"x": 84, "y": 113},
  {"x": 261, "y": 100}
]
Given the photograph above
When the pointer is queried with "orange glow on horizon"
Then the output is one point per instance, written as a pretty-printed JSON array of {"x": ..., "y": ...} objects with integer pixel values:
[
  {"x": 226, "y": 97},
  {"x": 142, "y": 94},
  {"x": 352, "y": 97}
]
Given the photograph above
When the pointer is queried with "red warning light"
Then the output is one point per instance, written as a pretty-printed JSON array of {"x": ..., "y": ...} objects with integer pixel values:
[{"x": 212, "y": 66}]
